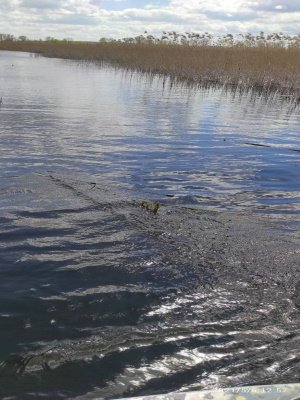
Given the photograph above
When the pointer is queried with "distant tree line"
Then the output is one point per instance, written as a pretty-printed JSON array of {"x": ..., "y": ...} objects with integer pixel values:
[
  {"x": 7, "y": 37},
  {"x": 207, "y": 39},
  {"x": 189, "y": 38}
]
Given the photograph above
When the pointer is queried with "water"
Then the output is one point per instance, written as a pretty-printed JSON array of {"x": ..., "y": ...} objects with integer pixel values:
[{"x": 100, "y": 297}]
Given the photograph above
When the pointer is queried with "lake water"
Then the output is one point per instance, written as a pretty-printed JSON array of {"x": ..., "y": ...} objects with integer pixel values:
[{"x": 99, "y": 296}]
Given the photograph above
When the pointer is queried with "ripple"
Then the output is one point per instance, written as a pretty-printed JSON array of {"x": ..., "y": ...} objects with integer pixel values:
[{"x": 102, "y": 297}]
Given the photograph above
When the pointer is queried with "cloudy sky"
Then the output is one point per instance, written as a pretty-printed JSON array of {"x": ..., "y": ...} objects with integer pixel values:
[{"x": 92, "y": 19}]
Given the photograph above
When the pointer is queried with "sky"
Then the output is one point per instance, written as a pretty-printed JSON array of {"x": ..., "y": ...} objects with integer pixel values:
[{"x": 93, "y": 19}]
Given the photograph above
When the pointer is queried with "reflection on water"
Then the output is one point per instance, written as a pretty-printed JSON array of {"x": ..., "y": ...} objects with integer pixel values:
[
  {"x": 187, "y": 142},
  {"x": 100, "y": 297}
]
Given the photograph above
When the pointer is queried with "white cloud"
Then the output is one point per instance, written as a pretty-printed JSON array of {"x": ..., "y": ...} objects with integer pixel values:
[
  {"x": 290, "y": 6},
  {"x": 92, "y": 19},
  {"x": 46, "y": 4}
]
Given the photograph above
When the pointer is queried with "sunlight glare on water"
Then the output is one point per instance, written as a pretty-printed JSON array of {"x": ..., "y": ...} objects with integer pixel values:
[
  {"x": 190, "y": 143},
  {"x": 102, "y": 296}
]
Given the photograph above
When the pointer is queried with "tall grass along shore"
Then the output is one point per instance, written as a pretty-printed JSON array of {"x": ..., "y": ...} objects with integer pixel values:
[{"x": 262, "y": 64}]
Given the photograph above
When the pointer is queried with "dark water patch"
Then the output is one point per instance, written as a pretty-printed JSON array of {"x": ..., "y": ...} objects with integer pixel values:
[{"x": 139, "y": 302}]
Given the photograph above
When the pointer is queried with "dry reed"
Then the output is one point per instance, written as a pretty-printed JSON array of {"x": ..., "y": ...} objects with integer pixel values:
[{"x": 266, "y": 67}]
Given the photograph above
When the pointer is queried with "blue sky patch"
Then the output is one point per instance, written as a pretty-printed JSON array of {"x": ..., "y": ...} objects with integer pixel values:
[{"x": 124, "y": 4}]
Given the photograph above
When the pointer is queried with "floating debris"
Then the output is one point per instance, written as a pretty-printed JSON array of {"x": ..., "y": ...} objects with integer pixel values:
[
  {"x": 150, "y": 206},
  {"x": 257, "y": 144}
]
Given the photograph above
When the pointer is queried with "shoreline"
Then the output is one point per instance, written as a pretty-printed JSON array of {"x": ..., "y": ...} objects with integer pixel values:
[{"x": 265, "y": 68}]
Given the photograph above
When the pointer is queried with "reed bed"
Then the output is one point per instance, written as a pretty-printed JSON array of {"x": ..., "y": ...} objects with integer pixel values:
[{"x": 268, "y": 67}]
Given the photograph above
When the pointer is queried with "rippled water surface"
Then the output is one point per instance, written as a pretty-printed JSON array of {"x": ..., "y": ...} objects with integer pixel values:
[{"x": 102, "y": 293}]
